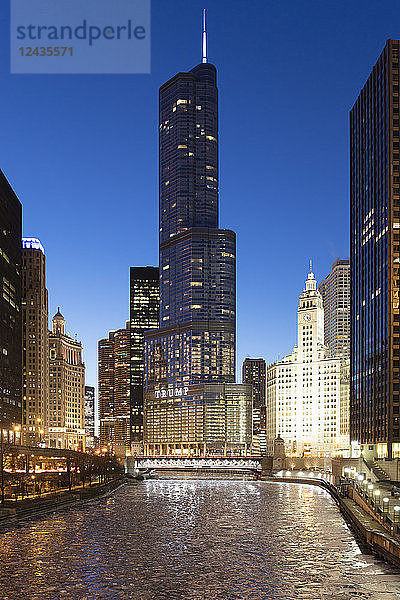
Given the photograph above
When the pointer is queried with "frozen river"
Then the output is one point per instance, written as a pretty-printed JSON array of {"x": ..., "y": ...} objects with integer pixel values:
[{"x": 195, "y": 540}]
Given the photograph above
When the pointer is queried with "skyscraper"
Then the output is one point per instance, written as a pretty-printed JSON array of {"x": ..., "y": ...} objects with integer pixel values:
[
  {"x": 35, "y": 341},
  {"x": 335, "y": 292},
  {"x": 375, "y": 260},
  {"x": 114, "y": 392},
  {"x": 144, "y": 315},
  {"x": 65, "y": 419},
  {"x": 254, "y": 373},
  {"x": 10, "y": 313},
  {"x": 304, "y": 388},
  {"x": 106, "y": 366},
  {"x": 195, "y": 343}
]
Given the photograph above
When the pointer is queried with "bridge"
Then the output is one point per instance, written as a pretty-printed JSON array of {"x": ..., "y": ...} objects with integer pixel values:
[{"x": 134, "y": 465}]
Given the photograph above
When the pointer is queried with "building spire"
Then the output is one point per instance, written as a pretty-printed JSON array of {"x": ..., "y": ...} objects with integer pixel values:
[
  {"x": 204, "y": 37},
  {"x": 310, "y": 266}
]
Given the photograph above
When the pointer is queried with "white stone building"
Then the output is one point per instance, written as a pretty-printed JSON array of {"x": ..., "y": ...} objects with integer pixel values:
[{"x": 304, "y": 388}]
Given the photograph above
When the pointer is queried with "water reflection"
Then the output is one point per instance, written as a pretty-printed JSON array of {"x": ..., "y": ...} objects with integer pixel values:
[{"x": 195, "y": 540}]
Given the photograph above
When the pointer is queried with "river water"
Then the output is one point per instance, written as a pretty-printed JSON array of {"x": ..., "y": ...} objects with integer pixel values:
[{"x": 194, "y": 540}]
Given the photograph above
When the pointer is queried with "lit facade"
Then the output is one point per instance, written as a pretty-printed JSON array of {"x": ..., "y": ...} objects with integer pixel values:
[
  {"x": 144, "y": 315},
  {"x": 65, "y": 418},
  {"x": 89, "y": 417},
  {"x": 375, "y": 260},
  {"x": 254, "y": 374},
  {"x": 35, "y": 342},
  {"x": 335, "y": 292},
  {"x": 304, "y": 389},
  {"x": 190, "y": 358},
  {"x": 114, "y": 392},
  {"x": 10, "y": 314}
]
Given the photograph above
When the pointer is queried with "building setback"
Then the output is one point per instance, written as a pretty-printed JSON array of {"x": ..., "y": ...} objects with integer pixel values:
[
  {"x": 10, "y": 313},
  {"x": 114, "y": 392},
  {"x": 194, "y": 346},
  {"x": 144, "y": 315},
  {"x": 304, "y": 389},
  {"x": 35, "y": 341},
  {"x": 375, "y": 260},
  {"x": 65, "y": 419}
]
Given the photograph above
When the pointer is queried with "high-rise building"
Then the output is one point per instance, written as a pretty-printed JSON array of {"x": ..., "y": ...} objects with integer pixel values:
[
  {"x": 335, "y": 292},
  {"x": 304, "y": 388},
  {"x": 194, "y": 347},
  {"x": 10, "y": 313},
  {"x": 254, "y": 373},
  {"x": 114, "y": 392},
  {"x": 65, "y": 419},
  {"x": 35, "y": 341},
  {"x": 89, "y": 417},
  {"x": 106, "y": 366},
  {"x": 144, "y": 315},
  {"x": 375, "y": 260}
]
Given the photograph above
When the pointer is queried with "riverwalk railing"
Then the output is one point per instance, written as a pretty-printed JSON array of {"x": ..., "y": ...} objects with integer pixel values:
[{"x": 27, "y": 472}]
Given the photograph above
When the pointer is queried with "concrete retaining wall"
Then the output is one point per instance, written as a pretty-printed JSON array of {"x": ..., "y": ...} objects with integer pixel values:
[{"x": 369, "y": 531}]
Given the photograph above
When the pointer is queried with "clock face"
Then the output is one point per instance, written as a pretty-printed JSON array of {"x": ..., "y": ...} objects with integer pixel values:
[{"x": 307, "y": 318}]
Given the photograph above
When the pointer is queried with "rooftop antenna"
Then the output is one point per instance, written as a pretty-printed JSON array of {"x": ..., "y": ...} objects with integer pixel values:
[{"x": 204, "y": 37}]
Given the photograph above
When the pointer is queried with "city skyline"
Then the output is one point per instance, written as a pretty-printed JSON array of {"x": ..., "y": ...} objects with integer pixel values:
[{"x": 267, "y": 331}]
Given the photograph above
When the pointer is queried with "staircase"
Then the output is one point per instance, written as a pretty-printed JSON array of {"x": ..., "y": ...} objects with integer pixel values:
[{"x": 379, "y": 472}]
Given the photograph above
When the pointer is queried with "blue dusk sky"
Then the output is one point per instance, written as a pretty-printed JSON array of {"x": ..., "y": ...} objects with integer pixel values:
[{"x": 81, "y": 154}]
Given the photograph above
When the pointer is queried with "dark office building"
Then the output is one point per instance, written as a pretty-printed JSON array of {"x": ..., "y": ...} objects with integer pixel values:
[
  {"x": 375, "y": 260},
  {"x": 10, "y": 313},
  {"x": 106, "y": 366},
  {"x": 254, "y": 373},
  {"x": 194, "y": 346},
  {"x": 144, "y": 315}
]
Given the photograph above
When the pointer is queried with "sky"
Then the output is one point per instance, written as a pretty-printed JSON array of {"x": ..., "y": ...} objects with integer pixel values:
[{"x": 81, "y": 153}]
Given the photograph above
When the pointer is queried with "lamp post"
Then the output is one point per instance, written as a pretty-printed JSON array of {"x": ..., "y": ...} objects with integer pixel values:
[{"x": 385, "y": 505}]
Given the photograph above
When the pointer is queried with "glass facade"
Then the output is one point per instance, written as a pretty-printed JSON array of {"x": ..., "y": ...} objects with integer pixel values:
[
  {"x": 195, "y": 343},
  {"x": 144, "y": 315},
  {"x": 254, "y": 373},
  {"x": 375, "y": 256},
  {"x": 10, "y": 312}
]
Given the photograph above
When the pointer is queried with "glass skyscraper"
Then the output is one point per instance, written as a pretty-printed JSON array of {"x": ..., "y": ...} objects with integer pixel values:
[
  {"x": 10, "y": 313},
  {"x": 375, "y": 260},
  {"x": 144, "y": 315},
  {"x": 195, "y": 344}
]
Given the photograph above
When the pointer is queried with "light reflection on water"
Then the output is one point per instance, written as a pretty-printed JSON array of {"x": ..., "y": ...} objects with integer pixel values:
[{"x": 195, "y": 540}]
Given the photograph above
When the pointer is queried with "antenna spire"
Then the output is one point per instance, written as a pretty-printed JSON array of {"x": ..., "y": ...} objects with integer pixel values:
[{"x": 204, "y": 60}]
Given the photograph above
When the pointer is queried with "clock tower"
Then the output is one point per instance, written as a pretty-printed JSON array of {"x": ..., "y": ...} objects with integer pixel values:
[{"x": 310, "y": 321}]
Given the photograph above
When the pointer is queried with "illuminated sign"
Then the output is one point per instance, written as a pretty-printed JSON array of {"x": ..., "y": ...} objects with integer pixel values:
[
  {"x": 171, "y": 393},
  {"x": 32, "y": 243}
]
